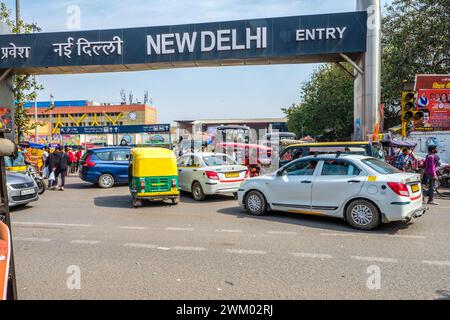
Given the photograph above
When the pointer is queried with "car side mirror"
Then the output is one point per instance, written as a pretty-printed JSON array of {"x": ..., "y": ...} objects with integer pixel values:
[{"x": 280, "y": 173}]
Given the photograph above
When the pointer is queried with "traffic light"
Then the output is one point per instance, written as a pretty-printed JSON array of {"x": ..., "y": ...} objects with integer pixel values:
[{"x": 410, "y": 114}]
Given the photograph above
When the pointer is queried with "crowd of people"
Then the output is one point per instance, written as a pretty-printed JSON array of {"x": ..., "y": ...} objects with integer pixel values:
[
  {"x": 406, "y": 161},
  {"x": 60, "y": 163}
]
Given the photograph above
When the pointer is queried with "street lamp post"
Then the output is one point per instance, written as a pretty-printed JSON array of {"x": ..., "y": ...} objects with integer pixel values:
[
  {"x": 51, "y": 118},
  {"x": 35, "y": 113},
  {"x": 17, "y": 12}
]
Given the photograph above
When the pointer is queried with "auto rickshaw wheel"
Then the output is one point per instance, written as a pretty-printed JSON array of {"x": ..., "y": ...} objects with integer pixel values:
[
  {"x": 176, "y": 200},
  {"x": 137, "y": 202}
]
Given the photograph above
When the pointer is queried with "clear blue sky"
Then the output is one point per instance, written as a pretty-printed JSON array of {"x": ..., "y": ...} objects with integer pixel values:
[{"x": 192, "y": 93}]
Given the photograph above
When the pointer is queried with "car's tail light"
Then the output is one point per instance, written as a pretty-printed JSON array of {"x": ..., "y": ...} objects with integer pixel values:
[
  {"x": 212, "y": 175},
  {"x": 247, "y": 173},
  {"x": 399, "y": 188},
  {"x": 174, "y": 183},
  {"x": 88, "y": 162}
]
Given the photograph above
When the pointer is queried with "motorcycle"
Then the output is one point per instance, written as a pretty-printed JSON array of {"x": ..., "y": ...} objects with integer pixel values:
[{"x": 31, "y": 172}]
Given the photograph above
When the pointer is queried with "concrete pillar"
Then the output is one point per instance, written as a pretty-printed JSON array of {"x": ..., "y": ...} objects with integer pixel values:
[
  {"x": 368, "y": 86},
  {"x": 6, "y": 89}
]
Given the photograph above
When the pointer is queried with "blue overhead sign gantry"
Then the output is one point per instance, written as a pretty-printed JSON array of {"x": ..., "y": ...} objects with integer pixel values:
[{"x": 148, "y": 128}]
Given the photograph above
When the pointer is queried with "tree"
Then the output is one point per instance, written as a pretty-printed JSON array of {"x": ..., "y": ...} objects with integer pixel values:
[
  {"x": 25, "y": 87},
  {"x": 324, "y": 109},
  {"x": 415, "y": 39}
]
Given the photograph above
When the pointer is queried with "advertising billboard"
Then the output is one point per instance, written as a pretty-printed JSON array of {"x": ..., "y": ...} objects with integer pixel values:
[{"x": 433, "y": 100}]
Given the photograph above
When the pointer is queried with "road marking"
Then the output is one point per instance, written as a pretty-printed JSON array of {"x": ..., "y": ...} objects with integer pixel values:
[
  {"x": 374, "y": 259},
  {"x": 282, "y": 232},
  {"x": 32, "y": 239},
  {"x": 163, "y": 248},
  {"x": 50, "y": 224},
  {"x": 189, "y": 248},
  {"x": 141, "y": 245},
  {"x": 338, "y": 235},
  {"x": 132, "y": 228},
  {"x": 312, "y": 255},
  {"x": 241, "y": 251},
  {"x": 437, "y": 263},
  {"x": 228, "y": 230},
  {"x": 179, "y": 229},
  {"x": 405, "y": 236},
  {"x": 84, "y": 242}
]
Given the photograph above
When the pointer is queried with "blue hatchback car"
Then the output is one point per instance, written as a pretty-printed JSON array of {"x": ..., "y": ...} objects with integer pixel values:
[{"x": 105, "y": 166}]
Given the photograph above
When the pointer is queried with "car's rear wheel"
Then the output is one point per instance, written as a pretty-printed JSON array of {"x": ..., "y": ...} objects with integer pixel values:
[
  {"x": 197, "y": 192},
  {"x": 363, "y": 215},
  {"x": 255, "y": 203},
  {"x": 106, "y": 181}
]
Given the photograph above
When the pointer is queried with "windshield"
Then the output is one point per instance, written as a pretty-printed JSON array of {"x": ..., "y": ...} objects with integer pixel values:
[
  {"x": 380, "y": 166},
  {"x": 217, "y": 160},
  {"x": 237, "y": 135}
]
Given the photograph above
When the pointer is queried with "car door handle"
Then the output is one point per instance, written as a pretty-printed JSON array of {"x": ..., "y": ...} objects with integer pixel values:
[
  {"x": 306, "y": 181},
  {"x": 354, "y": 181}
]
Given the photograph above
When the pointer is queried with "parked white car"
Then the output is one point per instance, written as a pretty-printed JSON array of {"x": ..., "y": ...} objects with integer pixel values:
[
  {"x": 205, "y": 174},
  {"x": 362, "y": 190}
]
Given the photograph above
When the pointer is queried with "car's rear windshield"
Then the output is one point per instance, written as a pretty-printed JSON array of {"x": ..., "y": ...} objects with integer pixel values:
[
  {"x": 216, "y": 160},
  {"x": 380, "y": 166}
]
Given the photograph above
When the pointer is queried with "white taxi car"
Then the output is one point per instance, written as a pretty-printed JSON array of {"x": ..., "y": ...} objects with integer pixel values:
[
  {"x": 205, "y": 174},
  {"x": 362, "y": 190}
]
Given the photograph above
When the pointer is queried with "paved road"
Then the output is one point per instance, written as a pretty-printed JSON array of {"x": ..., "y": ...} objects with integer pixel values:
[{"x": 213, "y": 250}]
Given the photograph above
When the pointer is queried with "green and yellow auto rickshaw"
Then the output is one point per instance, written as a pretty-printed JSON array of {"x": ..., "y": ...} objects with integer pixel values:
[{"x": 153, "y": 175}]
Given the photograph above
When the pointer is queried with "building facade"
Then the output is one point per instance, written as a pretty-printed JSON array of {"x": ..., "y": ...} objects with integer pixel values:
[{"x": 52, "y": 116}]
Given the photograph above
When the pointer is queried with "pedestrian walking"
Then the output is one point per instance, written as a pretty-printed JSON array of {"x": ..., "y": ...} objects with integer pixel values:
[
  {"x": 431, "y": 162},
  {"x": 44, "y": 169},
  {"x": 72, "y": 160},
  {"x": 78, "y": 156},
  {"x": 52, "y": 165},
  {"x": 62, "y": 167}
]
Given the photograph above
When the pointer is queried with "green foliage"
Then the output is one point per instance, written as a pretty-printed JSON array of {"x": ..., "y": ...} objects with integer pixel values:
[
  {"x": 415, "y": 40},
  {"x": 324, "y": 110},
  {"x": 26, "y": 87}
]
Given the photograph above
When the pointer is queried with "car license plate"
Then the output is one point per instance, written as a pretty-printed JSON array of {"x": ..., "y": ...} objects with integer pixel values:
[
  {"x": 27, "y": 192},
  {"x": 415, "y": 188},
  {"x": 232, "y": 175}
]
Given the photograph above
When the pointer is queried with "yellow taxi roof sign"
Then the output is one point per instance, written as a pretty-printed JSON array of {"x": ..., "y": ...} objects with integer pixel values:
[{"x": 323, "y": 144}]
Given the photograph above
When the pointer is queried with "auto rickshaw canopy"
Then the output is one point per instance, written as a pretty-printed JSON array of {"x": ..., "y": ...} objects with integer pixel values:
[{"x": 153, "y": 162}]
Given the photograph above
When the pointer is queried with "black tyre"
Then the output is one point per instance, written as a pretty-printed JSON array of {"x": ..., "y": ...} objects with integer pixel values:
[
  {"x": 197, "y": 191},
  {"x": 176, "y": 201},
  {"x": 106, "y": 181},
  {"x": 255, "y": 203},
  {"x": 137, "y": 202},
  {"x": 363, "y": 215},
  {"x": 41, "y": 186}
]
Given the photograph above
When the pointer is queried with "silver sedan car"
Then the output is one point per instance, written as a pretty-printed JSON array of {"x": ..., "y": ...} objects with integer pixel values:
[{"x": 22, "y": 189}]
